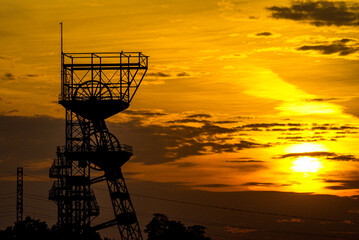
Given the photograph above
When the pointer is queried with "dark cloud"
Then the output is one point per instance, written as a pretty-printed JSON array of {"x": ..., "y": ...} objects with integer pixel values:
[
  {"x": 244, "y": 161},
  {"x": 253, "y": 129},
  {"x": 32, "y": 75},
  {"x": 263, "y": 125},
  {"x": 322, "y": 99},
  {"x": 328, "y": 155},
  {"x": 262, "y": 184},
  {"x": 294, "y": 129},
  {"x": 183, "y": 74},
  {"x": 7, "y": 77},
  {"x": 343, "y": 158},
  {"x": 265, "y": 34},
  {"x": 278, "y": 129},
  {"x": 241, "y": 117},
  {"x": 344, "y": 184},
  {"x": 185, "y": 164},
  {"x": 294, "y": 124},
  {"x": 308, "y": 154},
  {"x": 317, "y": 137},
  {"x": 339, "y": 47},
  {"x": 156, "y": 144},
  {"x": 318, "y": 13},
  {"x": 34, "y": 139},
  {"x": 158, "y": 74},
  {"x": 319, "y": 128},
  {"x": 343, "y": 128},
  {"x": 143, "y": 113},
  {"x": 223, "y": 147},
  {"x": 193, "y": 119},
  {"x": 249, "y": 167},
  {"x": 199, "y": 116},
  {"x": 188, "y": 120},
  {"x": 214, "y": 185},
  {"x": 223, "y": 122}
]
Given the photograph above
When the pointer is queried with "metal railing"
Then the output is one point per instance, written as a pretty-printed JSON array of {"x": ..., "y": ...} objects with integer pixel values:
[
  {"x": 70, "y": 97},
  {"x": 114, "y": 148},
  {"x": 106, "y": 58}
]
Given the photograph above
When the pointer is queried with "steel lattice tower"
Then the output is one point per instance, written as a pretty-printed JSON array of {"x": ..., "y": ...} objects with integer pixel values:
[
  {"x": 95, "y": 86},
  {"x": 19, "y": 195}
]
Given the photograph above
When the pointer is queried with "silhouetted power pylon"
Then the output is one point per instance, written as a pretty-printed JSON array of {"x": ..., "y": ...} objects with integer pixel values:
[
  {"x": 95, "y": 86},
  {"x": 19, "y": 195}
]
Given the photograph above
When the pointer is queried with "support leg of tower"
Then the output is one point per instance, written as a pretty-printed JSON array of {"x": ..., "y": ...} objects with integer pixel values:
[{"x": 122, "y": 206}]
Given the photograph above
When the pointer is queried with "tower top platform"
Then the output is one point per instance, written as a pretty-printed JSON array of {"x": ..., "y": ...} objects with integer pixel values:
[{"x": 99, "y": 85}]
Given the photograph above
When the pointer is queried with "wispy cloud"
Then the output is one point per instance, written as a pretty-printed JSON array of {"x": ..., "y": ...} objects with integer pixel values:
[
  {"x": 183, "y": 74},
  {"x": 200, "y": 115},
  {"x": 340, "y": 47},
  {"x": 7, "y": 77},
  {"x": 327, "y": 155},
  {"x": 158, "y": 74},
  {"x": 264, "y": 34}
]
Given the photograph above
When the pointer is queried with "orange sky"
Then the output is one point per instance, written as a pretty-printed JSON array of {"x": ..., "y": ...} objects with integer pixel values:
[{"x": 239, "y": 96}]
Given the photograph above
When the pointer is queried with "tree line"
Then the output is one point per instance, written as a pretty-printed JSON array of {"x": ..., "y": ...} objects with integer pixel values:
[{"x": 159, "y": 228}]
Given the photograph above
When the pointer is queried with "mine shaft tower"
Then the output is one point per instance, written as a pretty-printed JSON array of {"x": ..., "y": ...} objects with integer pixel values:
[{"x": 95, "y": 86}]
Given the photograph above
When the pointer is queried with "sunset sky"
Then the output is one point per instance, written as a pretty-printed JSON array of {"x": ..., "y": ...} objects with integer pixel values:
[{"x": 246, "y": 104}]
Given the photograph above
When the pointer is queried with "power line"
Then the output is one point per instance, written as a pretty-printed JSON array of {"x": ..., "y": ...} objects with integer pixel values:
[
  {"x": 7, "y": 205},
  {"x": 216, "y": 224},
  {"x": 47, "y": 209},
  {"x": 9, "y": 175},
  {"x": 36, "y": 198},
  {"x": 5, "y": 212},
  {"x": 4, "y": 197},
  {"x": 35, "y": 195},
  {"x": 42, "y": 178},
  {"x": 238, "y": 209},
  {"x": 228, "y": 208},
  {"x": 42, "y": 215},
  {"x": 5, "y": 194}
]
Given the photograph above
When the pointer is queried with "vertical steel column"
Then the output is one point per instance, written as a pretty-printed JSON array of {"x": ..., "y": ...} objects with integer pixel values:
[{"x": 19, "y": 196}]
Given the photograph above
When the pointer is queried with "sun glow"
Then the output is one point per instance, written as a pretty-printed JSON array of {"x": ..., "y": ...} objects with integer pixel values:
[
  {"x": 306, "y": 147},
  {"x": 306, "y": 165}
]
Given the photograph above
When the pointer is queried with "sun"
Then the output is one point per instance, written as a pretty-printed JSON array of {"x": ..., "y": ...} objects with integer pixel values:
[{"x": 306, "y": 165}]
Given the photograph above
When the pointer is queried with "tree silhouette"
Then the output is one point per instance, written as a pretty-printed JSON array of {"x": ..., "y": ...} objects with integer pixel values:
[
  {"x": 160, "y": 228},
  {"x": 28, "y": 229},
  {"x": 35, "y": 229}
]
